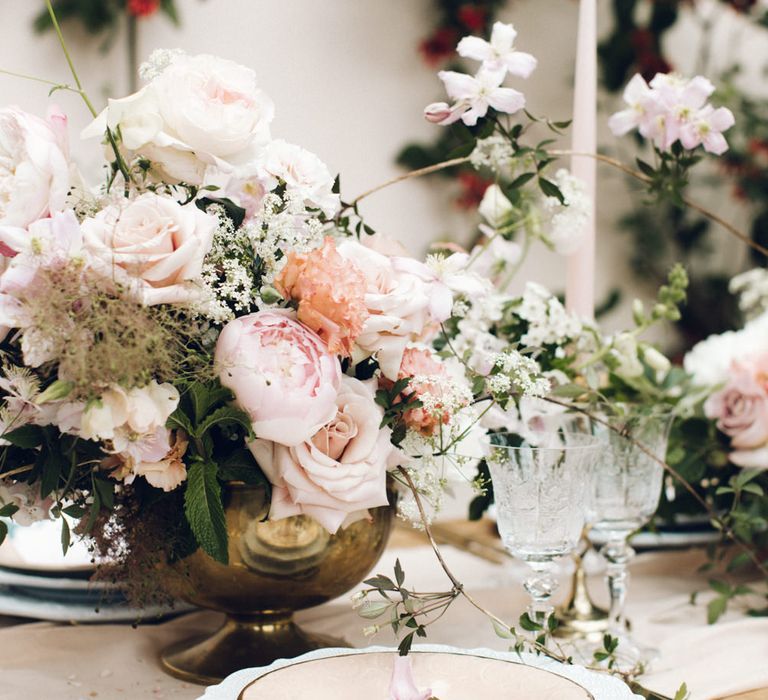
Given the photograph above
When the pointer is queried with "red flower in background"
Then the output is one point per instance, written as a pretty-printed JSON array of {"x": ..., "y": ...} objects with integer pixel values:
[
  {"x": 741, "y": 5},
  {"x": 440, "y": 46},
  {"x": 143, "y": 8},
  {"x": 473, "y": 188},
  {"x": 647, "y": 57},
  {"x": 472, "y": 17}
]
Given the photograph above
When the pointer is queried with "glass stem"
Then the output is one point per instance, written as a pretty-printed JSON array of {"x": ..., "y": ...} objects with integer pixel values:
[
  {"x": 617, "y": 554},
  {"x": 540, "y": 585}
]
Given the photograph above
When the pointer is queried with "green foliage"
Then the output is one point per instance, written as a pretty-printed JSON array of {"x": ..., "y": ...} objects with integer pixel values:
[
  {"x": 204, "y": 510},
  {"x": 396, "y": 401}
]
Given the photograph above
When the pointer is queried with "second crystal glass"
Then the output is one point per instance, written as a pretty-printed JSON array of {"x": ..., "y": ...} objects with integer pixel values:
[{"x": 542, "y": 487}]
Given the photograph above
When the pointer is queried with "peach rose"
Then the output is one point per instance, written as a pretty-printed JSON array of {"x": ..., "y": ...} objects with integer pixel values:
[
  {"x": 331, "y": 295},
  {"x": 281, "y": 373},
  {"x": 153, "y": 245},
  {"x": 340, "y": 471}
]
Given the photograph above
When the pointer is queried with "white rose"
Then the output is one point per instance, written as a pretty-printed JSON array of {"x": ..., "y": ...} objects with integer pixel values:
[
  {"x": 153, "y": 245},
  {"x": 340, "y": 472},
  {"x": 495, "y": 207},
  {"x": 199, "y": 111},
  {"x": 303, "y": 173},
  {"x": 398, "y": 304},
  {"x": 34, "y": 168}
]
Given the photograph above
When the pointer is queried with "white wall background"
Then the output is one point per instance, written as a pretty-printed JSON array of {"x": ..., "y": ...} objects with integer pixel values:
[{"x": 348, "y": 84}]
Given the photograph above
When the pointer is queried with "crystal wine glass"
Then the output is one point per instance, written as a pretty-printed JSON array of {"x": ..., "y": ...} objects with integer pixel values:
[
  {"x": 627, "y": 488},
  {"x": 541, "y": 487}
]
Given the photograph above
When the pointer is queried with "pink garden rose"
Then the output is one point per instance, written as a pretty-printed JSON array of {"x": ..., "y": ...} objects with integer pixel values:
[
  {"x": 281, "y": 374},
  {"x": 331, "y": 295},
  {"x": 741, "y": 410},
  {"x": 338, "y": 472},
  {"x": 153, "y": 245},
  {"x": 34, "y": 167}
]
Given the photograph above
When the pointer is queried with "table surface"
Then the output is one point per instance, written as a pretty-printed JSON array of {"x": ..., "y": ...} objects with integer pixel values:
[{"x": 729, "y": 659}]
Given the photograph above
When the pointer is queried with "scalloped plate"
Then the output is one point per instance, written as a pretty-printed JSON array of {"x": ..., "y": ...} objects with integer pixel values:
[{"x": 450, "y": 673}]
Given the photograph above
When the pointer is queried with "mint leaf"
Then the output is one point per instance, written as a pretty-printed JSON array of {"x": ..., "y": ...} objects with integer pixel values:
[
  {"x": 226, "y": 415},
  {"x": 27, "y": 436},
  {"x": 204, "y": 510}
]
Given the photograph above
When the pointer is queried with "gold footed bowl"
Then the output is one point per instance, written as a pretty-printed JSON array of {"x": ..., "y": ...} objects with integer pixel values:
[{"x": 275, "y": 568}]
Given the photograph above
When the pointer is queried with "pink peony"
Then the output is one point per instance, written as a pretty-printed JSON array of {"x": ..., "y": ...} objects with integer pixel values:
[
  {"x": 337, "y": 473},
  {"x": 331, "y": 295},
  {"x": 741, "y": 410},
  {"x": 281, "y": 373},
  {"x": 403, "y": 686}
]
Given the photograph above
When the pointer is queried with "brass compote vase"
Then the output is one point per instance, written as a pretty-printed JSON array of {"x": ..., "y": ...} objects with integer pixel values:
[{"x": 274, "y": 569}]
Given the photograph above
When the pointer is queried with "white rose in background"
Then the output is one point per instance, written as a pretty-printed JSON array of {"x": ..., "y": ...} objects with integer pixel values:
[
  {"x": 495, "y": 208},
  {"x": 153, "y": 245},
  {"x": 338, "y": 473},
  {"x": 398, "y": 303},
  {"x": 34, "y": 166},
  {"x": 197, "y": 112},
  {"x": 709, "y": 362},
  {"x": 304, "y": 174}
]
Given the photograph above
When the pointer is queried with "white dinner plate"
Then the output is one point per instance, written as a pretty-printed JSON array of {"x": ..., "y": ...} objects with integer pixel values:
[
  {"x": 450, "y": 673},
  {"x": 16, "y": 604}
]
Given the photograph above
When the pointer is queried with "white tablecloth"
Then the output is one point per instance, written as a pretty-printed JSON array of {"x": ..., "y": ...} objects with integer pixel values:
[{"x": 44, "y": 660}]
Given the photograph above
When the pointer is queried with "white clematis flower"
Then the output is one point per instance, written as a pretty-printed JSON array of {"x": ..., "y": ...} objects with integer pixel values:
[{"x": 499, "y": 53}]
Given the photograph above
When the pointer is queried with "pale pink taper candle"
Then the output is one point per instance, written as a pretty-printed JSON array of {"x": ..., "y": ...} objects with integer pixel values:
[{"x": 580, "y": 278}]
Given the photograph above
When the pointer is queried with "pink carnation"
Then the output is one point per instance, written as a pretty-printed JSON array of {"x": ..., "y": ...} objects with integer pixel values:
[{"x": 331, "y": 295}]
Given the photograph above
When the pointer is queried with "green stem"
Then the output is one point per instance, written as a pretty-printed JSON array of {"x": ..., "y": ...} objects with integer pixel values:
[{"x": 69, "y": 58}]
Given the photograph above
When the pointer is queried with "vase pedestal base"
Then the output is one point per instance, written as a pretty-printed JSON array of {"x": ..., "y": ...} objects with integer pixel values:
[{"x": 242, "y": 642}]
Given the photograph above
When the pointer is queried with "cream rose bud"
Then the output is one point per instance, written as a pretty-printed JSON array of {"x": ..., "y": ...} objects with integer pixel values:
[
  {"x": 34, "y": 166},
  {"x": 199, "y": 111},
  {"x": 281, "y": 373},
  {"x": 495, "y": 208},
  {"x": 340, "y": 471},
  {"x": 153, "y": 245}
]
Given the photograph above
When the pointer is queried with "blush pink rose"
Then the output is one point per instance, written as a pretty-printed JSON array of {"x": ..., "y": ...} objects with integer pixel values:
[
  {"x": 153, "y": 245},
  {"x": 281, "y": 374},
  {"x": 340, "y": 471},
  {"x": 331, "y": 295},
  {"x": 741, "y": 407}
]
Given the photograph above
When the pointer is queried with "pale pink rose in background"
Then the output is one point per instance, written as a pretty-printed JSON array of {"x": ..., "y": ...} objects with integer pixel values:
[
  {"x": 340, "y": 471},
  {"x": 399, "y": 303},
  {"x": 403, "y": 685},
  {"x": 331, "y": 295},
  {"x": 428, "y": 377},
  {"x": 153, "y": 245},
  {"x": 741, "y": 407},
  {"x": 281, "y": 373},
  {"x": 199, "y": 111},
  {"x": 34, "y": 167}
]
